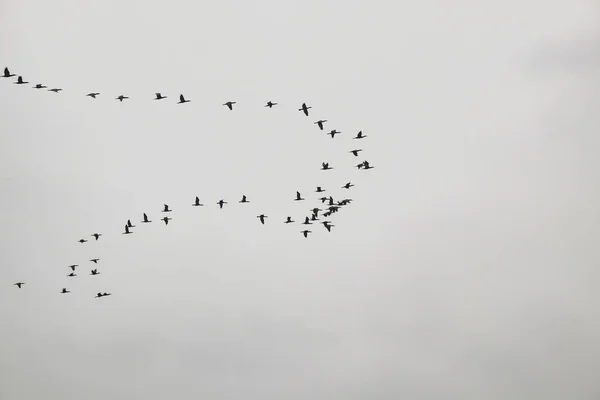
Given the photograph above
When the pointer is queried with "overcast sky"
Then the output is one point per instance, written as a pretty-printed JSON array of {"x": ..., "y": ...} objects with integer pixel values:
[{"x": 465, "y": 267}]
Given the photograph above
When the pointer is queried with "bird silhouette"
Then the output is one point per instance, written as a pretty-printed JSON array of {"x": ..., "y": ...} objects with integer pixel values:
[
  {"x": 182, "y": 100},
  {"x": 96, "y": 235},
  {"x": 289, "y": 220},
  {"x": 92, "y": 95},
  {"x": 244, "y": 199},
  {"x": 360, "y": 136},
  {"x": 127, "y": 232},
  {"x": 7, "y": 73},
  {"x": 325, "y": 166},
  {"x": 159, "y": 96},
  {"x": 95, "y": 260},
  {"x": 82, "y": 240},
  {"x": 355, "y": 152},
  {"x": 55, "y": 90},
  {"x": 40, "y": 86},
  {"x": 221, "y": 202},
  {"x": 121, "y": 98},
  {"x": 347, "y": 185},
  {"x": 262, "y": 218},
  {"x": 166, "y": 219},
  {"x": 366, "y": 165},
  {"x": 305, "y": 233},
  {"x": 20, "y": 81},
  {"x": 320, "y": 123},
  {"x": 72, "y": 274},
  {"x": 95, "y": 272},
  {"x": 298, "y": 197},
  {"x": 102, "y": 294},
  {"x": 64, "y": 290},
  {"x": 197, "y": 203},
  {"x": 166, "y": 209},
  {"x": 73, "y": 267},
  {"x": 320, "y": 189},
  {"x": 129, "y": 224},
  {"x": 333, "y": 133},
  {"x": 230, "y": 104},
  {"x": 146, "y": 220},
  {"x": 307, "y": 221},
  {"x": 304, "y": 109},
  {"x": 270, "y": 104},
  {"x": 327, "y": 225},
  {"x": 18, "y": 284}
]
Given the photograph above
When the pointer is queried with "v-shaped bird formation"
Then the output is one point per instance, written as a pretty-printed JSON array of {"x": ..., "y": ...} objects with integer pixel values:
[{"x": 331, "y": 205}]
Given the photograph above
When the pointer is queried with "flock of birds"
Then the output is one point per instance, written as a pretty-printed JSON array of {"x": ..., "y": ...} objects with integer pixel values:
[{"x": 332, "y": 206}]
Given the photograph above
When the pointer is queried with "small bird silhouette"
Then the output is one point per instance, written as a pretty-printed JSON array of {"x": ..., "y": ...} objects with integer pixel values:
[
  {"x": 304, "y": 109},
  {"x": 127, "y": 232},
  {"x": 19, "y": 284},
  {"x": 298, "y": 197},
  {"x": 289, "y": 220},
  {"x": 230, "y": 104},
  {"x": 262, "y": 218},
  {"x": 320, "y": 189},
  {"x": 305, "y": 233},
  {"x": 307, "y": 221},
  {"x": 40, "y": 86},
  {"x": 166, "y": 219},
  {"x": 159, "y": 96},
  {"x": 270, "y": 104},
  {"x": 355, "y": 152},
  {"x": 72, "y": 274},
  {"x": 121, "y": 98},
  {"x": 182, "y": 100},
  {"x": 96, "y": 235},
  {"x": 7, "y": 73},
  {"x": 347, "y": 185},
  {"x": 95, "y": 272},
  {"x": 166, "y": 209},
  {"x": 197, "y": 203},
  {"x": 320, "y": 123},
  {"x": 244, "y": 199},
  {"x": 65, "y": 291},
  {"x": 325, "y": 166},
  {"x": 20, "y": 81},
  {"x": 82, "y": 240},
  {"x": 146, "y": 220},
  {"x": 55, "y": 90},
  {"x": 73, "y": 266},
  {"x": 102, "y": 294},
  {"x": 333, "y": 133},
  {"x": 92, "y": 95},
  {"x": 221, "y": 202},
  {"x": 95, "y": 260},
  {"x": 129, "y": 224},
  {"x": 360, "y": 136}
]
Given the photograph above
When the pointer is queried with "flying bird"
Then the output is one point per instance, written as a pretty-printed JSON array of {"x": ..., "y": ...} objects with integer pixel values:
[
  {"x": 55, "y": 90},
  {"x": 146, "y": 220},
  {"x": 65, "y": 291},
  {"x": 82, "y": 240},
  {"x": 72, "y": 274},
  {"x": 305, "y": 233},
  {"x": 244, "y": 199},
  {"x": 289, "y": 220},
  {"x": 166, "y": 219},
  {"x": 304, "y": 109},
  {"x": 92, "y": 95},
  {"x": 366, "y": 165},
  {"x": 167, "y": 208},
  {"x": 320, "y": 123},
  {"x": 182, "y": 100},
  {"x": 333, "y": 133},
  {"x": 221, "y": 202},
  {"x": 95, "y": 272},
  {"x": 319, "y": 189},
  {"x": 20, "y": 81},
  {"x": 18, "y": 284},
  {"x": 325, "y": 166},
  {"x": 355, "y": 152},
  {"x": 230, "y": 104},
  {"x": 73, "y": 266},
  {"x": 7, "y": 73},
  {"x": 121, "y": 98},
  {"x": 197, "y": 203},
  {"x": 127, "y": 232},
  {"x": 129, "y": 224},
  {"x": 40, "y": 86},
  {"x": 298, "y": 197},
  {"x": 327, "y": 225},
  {"x": 307, "y": 221},
  {"x": 102, "y": 294},
  {"x": 360, "y": 135},
  {"x": 159, "y": 96},
  {"x": 95, "y": 260},
  {"x": 270, "y": 104},
  {"x": 262, "y": 218},
  {"x": 97, "y": 235},
  {"x": 347, "y": 185}
]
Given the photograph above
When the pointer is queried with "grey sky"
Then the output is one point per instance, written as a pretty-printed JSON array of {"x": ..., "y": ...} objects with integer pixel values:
[{"x": 466, "y": 267}]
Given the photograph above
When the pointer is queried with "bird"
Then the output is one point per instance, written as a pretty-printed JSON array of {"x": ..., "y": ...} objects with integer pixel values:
[
  {"x": 95, "y": 272},
  {"x": 166, "y": 219},
  {"x": 65, "y": 291},
  {"x": 146, "y": 220},
  {"x": 159, "y": 96},
  {"x": 305, "y": 233},
  {"x": 167, "y": 208},
  {"x": 319, "y": 190},
  {"x": 327, "y": 226},
  {"x": 323, "y": 199},
  {"x": 298, "y": 197},
  {"x": 197, "y": 203},
  {"x": 20, "y": 81},
  {"x": 270, "y": 104},
  {"x": 102, "y": 294},
  {"x": 127, "y": 232},
  {"x": 221, "y": 202},
  {"x": 325, "y": 166},
  {"x": 40, "y": 86},
  {"x": 121, "y": 98},
  {"x": 360, "y": 166},
  {"x": 7, "y": 73},
  {"x": 72, "y": 274},
  {"x": 129, "y": 224},
  {"x": 315, "y": 211},
  {"x": 355, "y": 152},
  {"x": 262, "y": 218},
  {"x": 182, "y": 100},
  {"x": 314, "y": 217},
  {"x": 307, "y": 221},
  {"x": 73, "y": 266},
  {"x": 366, "y": 165},
  {"x": 82, "y": 240},
  {"x": 304, "y": 109},
  {"x": 360, "y": 135},
  {"x": 289, "y": 220},
  {"x": 18, "y": 284},
  {"x": 97, "y": 235},
  {"x": 230, "y": 104},
  {"x": 244, "y": 199},
  {"x": 320, "y": 123},
  {"x": 347, "y": 185},
  {"x": 92, "y": 95},
  {"x": 333, "y": 133},
  {"x": 55, "y": 90},
  {"x": 95, "y": 260}
]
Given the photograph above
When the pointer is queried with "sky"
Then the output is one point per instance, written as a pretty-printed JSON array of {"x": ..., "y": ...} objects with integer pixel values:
[{"x": 465, "y": 267}]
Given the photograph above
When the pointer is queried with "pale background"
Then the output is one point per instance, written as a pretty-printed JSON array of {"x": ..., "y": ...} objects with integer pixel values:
[{"x": 465, "y": 268}]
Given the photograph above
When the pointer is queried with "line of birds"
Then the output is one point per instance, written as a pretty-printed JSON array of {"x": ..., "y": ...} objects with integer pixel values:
[{"x": 332, "y": 205}]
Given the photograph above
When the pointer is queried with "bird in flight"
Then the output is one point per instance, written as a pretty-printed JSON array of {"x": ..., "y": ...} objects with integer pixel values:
[
  {"x": 333, "y": 133},
  {"x": 166, "y": 219},
  {"x": 20, "y": 81},
  {"x": 159, "y": 96},
  {"x": 97, "y": 235},
  {"x": 327, "y": 225},
  {"x": 92, "y": 95},
  {"x": 40, "y": 86},
  {"x": 360, "y": 135},
  {"x": 270, "y": 104},
  {"x": 167, "y": 208},
  {"x": 298, "y": 197},
  {"x": 129, "y": 224},
  {"x": 102, "y": 294},
  {"x": 305, "y": 233},
  {"x": 127, "y": 232},
  {"x": 304, "y": 109},
  {"x": 19, "y": 284},
  {"x": 347, "y": 185},
  {"x": 95, "y": 260},
  {"x": 82, "y": 240},
  {"x": 230, "y": 104},
  {"x": 325, "y": 166},
  {"x": 319, "y": 189},
  {"x": 73, "y": 267},
  {"x": 95, "y": 272},
  {"x": 197, "y": 203},
  {"x": 182, "y": 100},
  {"x": 65, "y": 290},
  {"x": 262, "y": 218},
  {"x": 7, "y": 73},
  {"x": 146, "y": 220},
  {"x": 307, "y": 221},
  {"x": 355, "y": 152},
  {"x": 121, "y": 98},
  {"x": 366, "y": 165},
  {"x": 72, "y": 274},
  {"x": 221, "y": 202},
  {"x": 289, "y": 220},
  {"x": 55, "y": 90},
  {"x": 244, "y": 199},
  {"x": 320, "y": 123}
]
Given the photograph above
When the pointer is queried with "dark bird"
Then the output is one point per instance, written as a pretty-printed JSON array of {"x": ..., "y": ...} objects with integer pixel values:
[
  {"x": 327, "y": 225},
  {"x": 304, "y": 109},
  {"x": 102, "y": 294},
  {"x": 95, "y": 260},
  {"x": 244, "y": 200},
  {"x": 323, "y": 199},
  {"x": 73, "y": 266},
  {"x": 18, "y": 284},
  {"x": 333, "y": 133},
  {"x": 347, "y": 185},
  {"x": 7, "y": 73},
  {"x": 366, "y": 165},
  {"x": 230, "y": 104},
  {"x": 270, "y": 104},
  {"x": 127, "y": 232},
  {"x": 182, "y": 100},
  {"x": 307, "y": 221},
  {"x": 129, "y": 224},
  {"x": 72, "y": 274},
  {"x": 320, "y": 123},
  {"x": 314, "y": 217},
  {"x": 20, "y": 81},
  {"x": 121, "y": 98},
  {"x": 360, "y": 136},
  {"x": 166, "y": 219},
  {"x": 95, "y": 272},
  {"x": 146, "y": 220},
  {"x": 166, "y": 209},
  {"x": 319, "y": 189},
  {"x": 262, "y": 218},
  {"x": 360, "y": 166},
  {"x": 305, "y": 233},
  {"x": 65, "y": 291},
  {"x": 221, "y": 202},
  {"x": 97, "y": 235},
  {"x": 315, "y": 211},
  {"x": 82, "y": 240},
  {"x": 92, "y": 95},
  {"x": 355, "y": 152},
  {"x": 289, "y": 220},
  {"x": 197, "y": 203},
  {"x": 40, "y": 86},
  {"x": 325, "y": 166},
  {"x": 159, "y": 96},
  {"x": 298, "y": 197},
  {"x": 55, "y": 90}
]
